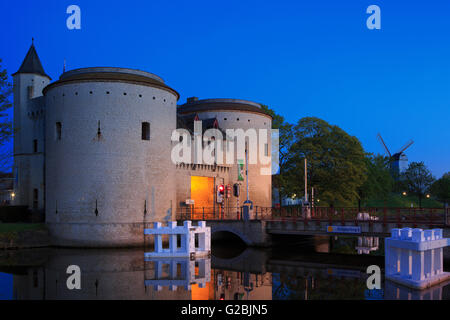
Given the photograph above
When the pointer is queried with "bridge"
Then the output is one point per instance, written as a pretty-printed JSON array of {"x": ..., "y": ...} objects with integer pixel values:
[{"x": 264, "y": 223}]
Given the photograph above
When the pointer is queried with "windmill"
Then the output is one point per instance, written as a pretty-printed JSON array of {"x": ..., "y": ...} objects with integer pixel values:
[{"x": 399, "y": 160}]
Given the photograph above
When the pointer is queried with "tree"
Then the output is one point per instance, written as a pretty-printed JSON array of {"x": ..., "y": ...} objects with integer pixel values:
[
  {"x": 379, "y": 182},
  {"x": 417, "y": 179},
  {"x": 440, "y": 189},
  {"x": 285, "y": 143},
  {"x": 336, "y": 165},
  {"x": 5, "y": 122}
]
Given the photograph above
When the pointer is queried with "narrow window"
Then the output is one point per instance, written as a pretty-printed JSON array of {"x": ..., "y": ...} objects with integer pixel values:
[
  {"x": 58, "y": 130},
  {"x": 30, "y": 92},
  {"x": 145, "y": 131},
  {"x": 266, "y": 149},
  {"x": 35, "y": 198},
  {"x": 35, "y": 145},
  {"x": 35, "y": 279}
]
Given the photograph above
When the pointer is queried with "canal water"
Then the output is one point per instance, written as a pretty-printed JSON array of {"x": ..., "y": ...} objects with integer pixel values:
[{"x": 304, "y": 268}]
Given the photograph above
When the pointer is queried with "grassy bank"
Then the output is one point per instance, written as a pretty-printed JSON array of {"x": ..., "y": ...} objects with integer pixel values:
[
  {"x": 23, "y": 235},
  {"x": 19, "y": 227}
]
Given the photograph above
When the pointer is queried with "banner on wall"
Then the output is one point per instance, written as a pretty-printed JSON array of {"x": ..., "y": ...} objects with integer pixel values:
[{"x": 240, "y": 170}]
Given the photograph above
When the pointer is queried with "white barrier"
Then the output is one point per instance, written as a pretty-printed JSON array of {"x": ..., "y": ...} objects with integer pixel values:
[
  {"x": 185, "y": 278},
  {"x": 188, "y": 233},
  {"x": 414, "y": 257}
]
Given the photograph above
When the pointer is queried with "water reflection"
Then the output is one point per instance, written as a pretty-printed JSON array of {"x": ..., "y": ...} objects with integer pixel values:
[
  {"x": 177, "y": 272},
  {"x": 395, "y": 291},
  {"x": 363, "y": 245},
  {"x": 233, "y": 285},
  {"x": 367, "y": 244},
  {"x": 293, "y": 273}
]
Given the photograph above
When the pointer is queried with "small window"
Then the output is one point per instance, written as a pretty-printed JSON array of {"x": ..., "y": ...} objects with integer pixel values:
[
  {"x": 35, "y": 279},
  {"x": 35, "y": 145},
  {"x": 145, "y": 131},
  {"x": 30, "y": 92},
  {"x": 58, "y": 130},
  {"x": 266, "y": 149},
  {"x": 35, "y": 198}
]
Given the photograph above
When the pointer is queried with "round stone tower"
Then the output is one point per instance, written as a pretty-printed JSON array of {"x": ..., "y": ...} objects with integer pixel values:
[
  {"x": 248, "y": 116},
  {"x": 108, "y": 165}
]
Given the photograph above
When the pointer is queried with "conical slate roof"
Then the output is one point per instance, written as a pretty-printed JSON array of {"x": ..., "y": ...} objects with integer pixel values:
[{"x": 32, "y": 64}]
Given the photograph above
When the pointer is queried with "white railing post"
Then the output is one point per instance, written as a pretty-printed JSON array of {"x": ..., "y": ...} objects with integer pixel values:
[{"x": 158, "y": 238}]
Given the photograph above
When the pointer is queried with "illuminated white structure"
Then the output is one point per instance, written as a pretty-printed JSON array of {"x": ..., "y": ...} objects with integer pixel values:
[
  {"x": 414, "y": 257},
  {"x": 187, "y": 233}
]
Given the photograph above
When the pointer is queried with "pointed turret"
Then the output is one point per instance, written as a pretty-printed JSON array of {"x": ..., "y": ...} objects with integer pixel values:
[
  {"x": 32, "y": 64},
  {"x": 29, "y": 131}
]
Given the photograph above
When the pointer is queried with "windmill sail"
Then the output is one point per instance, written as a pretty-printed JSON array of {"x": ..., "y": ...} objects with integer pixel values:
[
  {"x": 384, "y": 145},
  {"x": 406, "y": 146}
]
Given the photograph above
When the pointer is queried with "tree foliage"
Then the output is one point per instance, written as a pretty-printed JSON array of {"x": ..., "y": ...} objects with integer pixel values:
[
  {"x": 417, "y": 179},
  {"x": 285, "y": 143},
  {"x": 336, "y": 165},
  {"x": 5, "y": 104},
  {"x": 440, "y": 189},
  {"x": 379, "y": 182},
  {"x": 5, "y": 122}
]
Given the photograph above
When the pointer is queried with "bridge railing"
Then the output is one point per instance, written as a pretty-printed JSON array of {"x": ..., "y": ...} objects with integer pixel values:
[
  {"x": 413, "y": 216},
  {"x": 209, "y": 213},
  {"x": 227, "y": 213}
]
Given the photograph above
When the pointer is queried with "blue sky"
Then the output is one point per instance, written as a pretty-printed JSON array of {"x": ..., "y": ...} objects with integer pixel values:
[{"x": 302, "y": 58}]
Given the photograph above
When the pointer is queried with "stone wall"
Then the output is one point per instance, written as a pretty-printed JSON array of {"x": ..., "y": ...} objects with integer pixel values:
[
  {"x": 103, "y": 181},
  {"x": 29, "y": 114}
]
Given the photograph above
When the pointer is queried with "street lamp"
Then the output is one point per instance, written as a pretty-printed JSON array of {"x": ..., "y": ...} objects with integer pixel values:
[
  {"x": 404, "y": 193},
  {"x": 428, "y": 196}
]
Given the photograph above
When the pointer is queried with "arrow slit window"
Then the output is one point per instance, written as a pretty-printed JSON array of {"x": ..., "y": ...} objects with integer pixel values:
[{"x": 145, "y": 131}]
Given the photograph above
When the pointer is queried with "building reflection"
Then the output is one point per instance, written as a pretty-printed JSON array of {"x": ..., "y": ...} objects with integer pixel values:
[
  {"x": 251, "y": 275},
  {"x": 179, "y": 274},
  {"x": 233, "y": 285},
  {"x": 367, "y": 244},
  {"x": 105, "y": 275},
  {"x": 126, "y": 274}
]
